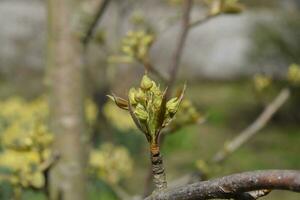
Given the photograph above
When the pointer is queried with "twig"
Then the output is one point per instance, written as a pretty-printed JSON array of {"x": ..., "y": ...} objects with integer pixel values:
[
  {"x": 229, "y": 186},
  {"x": 250, "y": 132},
  {"x": 149, "y": 67},
  {"x": 122, "y": 194},
  {"x": 201, "y": 21},
  {"x": 176, "y": 57},
  {"x": 256, "y": 126},
  {"x": 49, "y": 162},
  {"x": 158, "y": 170},
  {"x": 90, "y": 32}
]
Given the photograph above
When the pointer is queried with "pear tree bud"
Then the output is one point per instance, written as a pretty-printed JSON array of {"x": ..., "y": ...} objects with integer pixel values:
[
  {"x": 146, "y": 83},
  {"x": 132, "y": 94},
  {"x": 172, "y": 105},
  {"x": 140, "y": 96},
  {"x": 141, "y": 113}
]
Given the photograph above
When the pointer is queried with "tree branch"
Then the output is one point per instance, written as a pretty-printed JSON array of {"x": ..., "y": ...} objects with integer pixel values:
[
  {"x": 90, "y": 31},
  {"x": 175, "y": 60},
  {"x": 149, "y": 67},
  {"x": 256, "y": 126},
  {"x": 206, "y": 18},
  {"x": 229, "y": 186}
]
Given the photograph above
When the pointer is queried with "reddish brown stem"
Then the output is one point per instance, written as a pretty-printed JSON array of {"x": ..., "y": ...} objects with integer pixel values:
[{"x": 158, "y": 170}]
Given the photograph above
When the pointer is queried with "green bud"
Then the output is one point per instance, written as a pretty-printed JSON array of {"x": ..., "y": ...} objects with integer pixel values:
[
  {"x": 172, "y": 105},
  {"x": 157, "y": 102},
  {"x": 155, "y": 89},
  {"x": 146, "y": 83},
  {"x": 140, "y": 96},
  {"x": 141, "y": 113},
  {"x": 132, "y": 95}
]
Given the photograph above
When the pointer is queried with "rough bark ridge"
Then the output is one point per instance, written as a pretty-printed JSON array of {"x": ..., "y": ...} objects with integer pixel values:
[
  {"x": 65, "y": 80},
  {"x": 158, "y": 171}
]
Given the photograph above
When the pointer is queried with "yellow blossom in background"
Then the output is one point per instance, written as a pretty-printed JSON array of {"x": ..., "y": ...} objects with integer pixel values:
[
  {"x": 91, "y": 111},
  {"x": 23, "y": 167},
  {"x": 111, "y": 163},
  {"x": 118, "y": 118},
  {"x": 224, "y": 7},
  {"x": 135, "y": 47},
  {"x": 26, "y": 139},
  {"x": 187, "y": 114},
  {"x": 261, "y": 82},
  {"x": 15, "y": 160},
  {"x": 294, "y": 74}
]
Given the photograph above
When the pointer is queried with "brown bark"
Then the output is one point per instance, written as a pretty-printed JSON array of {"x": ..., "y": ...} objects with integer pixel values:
[
  {"x": 158, "y": 170},
  {"x": 65, "y": 79},
  {"x": 231, "y": 186}
]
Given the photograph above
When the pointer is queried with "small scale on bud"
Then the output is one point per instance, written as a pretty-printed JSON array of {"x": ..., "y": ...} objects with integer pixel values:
[
  {"x": 121, "y": 103},
  {"x": 141, "y": 113}
]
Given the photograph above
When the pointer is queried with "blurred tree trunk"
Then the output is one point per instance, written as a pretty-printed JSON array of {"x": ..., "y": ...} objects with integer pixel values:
[{"x": 66, "y": 80}]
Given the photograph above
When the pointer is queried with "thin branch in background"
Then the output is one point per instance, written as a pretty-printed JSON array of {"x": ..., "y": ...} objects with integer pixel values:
[
  {"x": 149, "y": 67},
  {"x": 120, "y": 192},
  {"x": 47, "y": 164},
  {"x": 176, "y": 57},
  {"x": 229, "y": 186},
  {"x": 90, "y": 31},
  {"x": 203, "y": 20},
  {"x": 256, "y": 126},
  {"x": 259, "y": 123}
]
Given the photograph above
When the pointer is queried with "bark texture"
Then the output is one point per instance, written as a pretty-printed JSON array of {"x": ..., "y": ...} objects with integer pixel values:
[
  {"x": 230, "y": 186},
  {"x": 158, "y": 170},
  {"x": 65, "y": 79}
]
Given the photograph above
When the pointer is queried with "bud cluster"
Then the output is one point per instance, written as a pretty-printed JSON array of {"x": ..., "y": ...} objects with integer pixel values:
[
  {"x": 136, "y": 44},
  {"x": 149, "y": 108}
]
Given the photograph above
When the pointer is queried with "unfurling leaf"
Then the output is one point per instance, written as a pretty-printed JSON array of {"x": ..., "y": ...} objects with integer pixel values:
[{"x": 121, "y": 103}]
